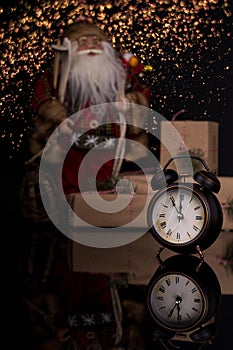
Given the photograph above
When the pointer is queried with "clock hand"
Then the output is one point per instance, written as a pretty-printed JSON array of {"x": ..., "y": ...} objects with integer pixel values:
[
  {"x": 178, "y": 301},
  {"x": 174, "y": 203},
  {"x": 172, "y": 310},
  {"x": 181, "y": 200},
  {"x": 180, "y": 214},
  {"x": 178, "y": 312},
  {"x": 178, "y": 308}
]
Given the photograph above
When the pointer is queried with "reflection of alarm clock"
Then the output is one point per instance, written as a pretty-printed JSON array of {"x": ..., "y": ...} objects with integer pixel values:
[
  {"x": 184, "y": 215},
  {"x": 183, "y": 294}
]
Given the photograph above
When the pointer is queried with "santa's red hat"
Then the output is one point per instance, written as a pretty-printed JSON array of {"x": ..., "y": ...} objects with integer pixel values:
[
  {"x": 84, "y": 27},
  {"x": 80, "y": 27}
]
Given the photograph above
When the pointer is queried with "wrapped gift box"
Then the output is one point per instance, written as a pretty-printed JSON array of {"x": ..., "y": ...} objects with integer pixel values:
[
  {"x": 199, "y": 138},
  {"x": 225, "y": 197},
  {"x": 119, "y": 258},
  {"x": 132, "y": 204},
  {"x": 138, "y": 258}
]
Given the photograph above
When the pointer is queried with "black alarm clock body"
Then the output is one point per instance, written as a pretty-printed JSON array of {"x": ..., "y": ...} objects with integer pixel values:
[
  {"x": 183, "y": 216},
  {"x": 183, "y": 295}
]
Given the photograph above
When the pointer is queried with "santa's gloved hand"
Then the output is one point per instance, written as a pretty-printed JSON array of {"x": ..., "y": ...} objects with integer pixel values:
[
  {"x": 137, "y": 97},
  {"x": 123, "y": 104},
  {"x": 66, "y": 127},
  {"x": 53, "y": 110}
]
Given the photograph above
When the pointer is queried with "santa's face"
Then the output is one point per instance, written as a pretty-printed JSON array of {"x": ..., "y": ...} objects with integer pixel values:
[
  {"x": 96, "y": 75},
  {"x": 89, "y": 44}
]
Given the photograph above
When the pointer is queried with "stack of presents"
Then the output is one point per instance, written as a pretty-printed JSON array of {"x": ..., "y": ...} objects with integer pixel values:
[
  {"x": 99, "y": 261},
  {"x": 137, "y": 258}
]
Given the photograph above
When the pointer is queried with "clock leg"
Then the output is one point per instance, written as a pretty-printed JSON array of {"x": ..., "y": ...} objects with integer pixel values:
[
  {"x": 204, "y": 334},
  {"x": 200, "y": 252},
  {"x": 160, "y": 261}
]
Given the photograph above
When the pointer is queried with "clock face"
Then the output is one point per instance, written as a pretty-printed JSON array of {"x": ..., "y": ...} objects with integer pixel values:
[
  {"x": 176, "y": 301},
  {"x": 178, "y": 215}
]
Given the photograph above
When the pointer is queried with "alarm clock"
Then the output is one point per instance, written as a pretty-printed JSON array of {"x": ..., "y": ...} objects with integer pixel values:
[
  {"x": 185, "y": 216},
  {"x": 182, "y": 296}
]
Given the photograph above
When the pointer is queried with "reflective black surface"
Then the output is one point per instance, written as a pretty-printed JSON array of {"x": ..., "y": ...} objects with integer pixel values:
[{"x": 14, "y": 325}]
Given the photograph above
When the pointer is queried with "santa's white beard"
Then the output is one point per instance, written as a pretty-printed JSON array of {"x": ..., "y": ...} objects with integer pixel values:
[{"x": 95, "y": 79}]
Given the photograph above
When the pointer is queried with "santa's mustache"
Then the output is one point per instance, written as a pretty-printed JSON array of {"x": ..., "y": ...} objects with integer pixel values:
[{"x": 88, "y": 51}]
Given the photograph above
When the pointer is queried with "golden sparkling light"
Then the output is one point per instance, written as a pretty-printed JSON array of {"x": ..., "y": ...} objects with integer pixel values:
[{"x": 180, "y": 40}]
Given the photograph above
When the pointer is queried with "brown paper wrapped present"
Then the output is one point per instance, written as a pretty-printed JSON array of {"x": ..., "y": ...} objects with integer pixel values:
[
  {"x": 198, "y": 138},
  {"x": 138, "y": 258},
  {"x": 225, "y": 196}
]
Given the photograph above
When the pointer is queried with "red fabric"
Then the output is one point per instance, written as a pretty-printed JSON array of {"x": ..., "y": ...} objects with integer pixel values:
[
  {"x": 44, "y": 91},
  {"x": 84, "y": 293},
  {"x": 71, "y": 169},
  {"x": 99, "y": 162}
]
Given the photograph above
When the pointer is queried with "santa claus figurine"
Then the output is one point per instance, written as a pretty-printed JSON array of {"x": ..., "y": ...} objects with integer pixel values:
[
  {"x": 88, "y": 78},
  {"x": 89, "y": 75}
]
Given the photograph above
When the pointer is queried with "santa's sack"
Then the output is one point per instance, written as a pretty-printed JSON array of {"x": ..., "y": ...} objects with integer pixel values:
[{"x": 31, "y": 204}]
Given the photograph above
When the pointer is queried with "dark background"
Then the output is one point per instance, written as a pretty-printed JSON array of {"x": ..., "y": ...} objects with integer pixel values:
[
  {"x": 192, "y": 71},
  {"x": 187, "y": 44}
]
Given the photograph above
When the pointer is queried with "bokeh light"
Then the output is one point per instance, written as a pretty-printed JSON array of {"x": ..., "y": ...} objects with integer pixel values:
[{"x": 188, "y": 44}]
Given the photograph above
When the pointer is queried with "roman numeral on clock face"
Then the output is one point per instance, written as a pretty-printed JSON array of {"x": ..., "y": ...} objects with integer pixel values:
[
  {"x": 169, "y": 232},
  {"x": 176, "y": 301},
  {"x": 177, "y": 218},
  {"x": 197, "y": 207},
  {"x": 163, "y": 224},
  {"x": 196, "y": 300},
  {"x": 162, "y": 289}
]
